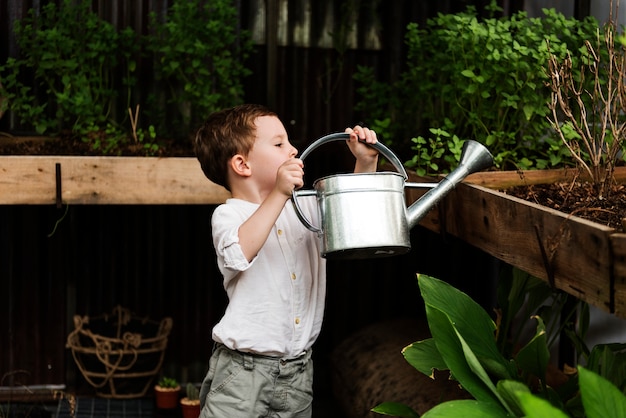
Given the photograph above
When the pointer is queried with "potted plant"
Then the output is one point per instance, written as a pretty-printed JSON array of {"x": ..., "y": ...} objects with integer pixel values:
[
  {"x": 190, "y": 404},
  {"x": 166, "y": 393}
]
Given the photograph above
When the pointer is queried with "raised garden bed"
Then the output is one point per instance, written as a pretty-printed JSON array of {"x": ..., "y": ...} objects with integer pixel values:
[{"x": 578, "y": 256}]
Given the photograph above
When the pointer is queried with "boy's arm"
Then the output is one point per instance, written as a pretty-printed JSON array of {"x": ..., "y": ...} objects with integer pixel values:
[{"x": 254, "y": 231}]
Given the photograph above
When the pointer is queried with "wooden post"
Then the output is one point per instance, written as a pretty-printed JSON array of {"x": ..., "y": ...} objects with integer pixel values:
[{"x": 582, "y": 8}]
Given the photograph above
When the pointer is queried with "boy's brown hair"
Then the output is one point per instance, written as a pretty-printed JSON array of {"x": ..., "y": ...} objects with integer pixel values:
[{"x": 225, "y": 134}]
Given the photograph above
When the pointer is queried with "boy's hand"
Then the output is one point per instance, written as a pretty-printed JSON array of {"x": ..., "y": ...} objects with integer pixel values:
[
  {"x": 290, "y": 176},
  {"x": 366, "y": 156}
]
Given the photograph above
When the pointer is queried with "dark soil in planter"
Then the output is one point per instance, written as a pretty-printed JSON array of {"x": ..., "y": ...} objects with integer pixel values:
[
  {"x": 34, "y": 145},
  {"x": 579, "y": 199}
]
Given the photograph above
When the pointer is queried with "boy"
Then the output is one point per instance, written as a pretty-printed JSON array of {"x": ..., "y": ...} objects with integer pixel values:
[{"x": 273, "y": 273}]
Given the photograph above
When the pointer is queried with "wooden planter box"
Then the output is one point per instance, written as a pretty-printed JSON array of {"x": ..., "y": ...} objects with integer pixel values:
[
  {"x": 43, "y": 180},
  {"x": 583, "y": 258}
]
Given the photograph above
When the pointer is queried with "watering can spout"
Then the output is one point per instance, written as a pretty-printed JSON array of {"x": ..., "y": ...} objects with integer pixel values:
[{"x": 474, "y": 157}]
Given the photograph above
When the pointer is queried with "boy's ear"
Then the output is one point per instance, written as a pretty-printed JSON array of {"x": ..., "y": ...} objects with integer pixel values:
[{"x": 240, "y": 165}]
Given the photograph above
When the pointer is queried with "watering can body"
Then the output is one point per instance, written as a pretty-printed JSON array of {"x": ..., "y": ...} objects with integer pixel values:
[{"x": 364, "y": 215}]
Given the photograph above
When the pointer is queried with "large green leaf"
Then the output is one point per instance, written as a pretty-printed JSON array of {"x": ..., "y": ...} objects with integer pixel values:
[
  {"x": 466, "y": 408},
  {"x": 536, "y": 407},
  {"x": 471, "y": 321},
  {"x": 535, "y": 355},
  {"x": 425, "y": 357},
  {"x": 600, "y": 397},
  {"x": 520, "y": 293},
  {"x": 479, "y": 371},
  {"x": 451, "y": 351},
  {"x": 395, "y": 409},
  {"x": 509, "y": 390},
  {"x": 609, "y": 361}
]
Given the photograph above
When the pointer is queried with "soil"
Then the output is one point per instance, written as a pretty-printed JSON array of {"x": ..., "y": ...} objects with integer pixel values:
[
  {"x": 33, "y": 145},
  {"x": 577, "y": 198}
]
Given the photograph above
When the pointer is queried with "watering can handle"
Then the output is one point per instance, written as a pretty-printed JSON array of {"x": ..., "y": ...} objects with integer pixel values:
[{"x": 382, "y": 149}]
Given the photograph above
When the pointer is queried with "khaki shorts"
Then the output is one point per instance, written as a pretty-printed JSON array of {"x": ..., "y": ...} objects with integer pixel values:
[{"x": 242, "y": 385}]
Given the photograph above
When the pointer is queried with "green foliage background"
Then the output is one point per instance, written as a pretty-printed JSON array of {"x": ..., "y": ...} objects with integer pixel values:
[
  {"x": 76, "y": 71},
  {"x": 471, "y": 78}
]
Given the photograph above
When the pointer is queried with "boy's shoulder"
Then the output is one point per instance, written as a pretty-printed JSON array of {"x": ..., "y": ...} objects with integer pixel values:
[{"x": 235, "y": 206}]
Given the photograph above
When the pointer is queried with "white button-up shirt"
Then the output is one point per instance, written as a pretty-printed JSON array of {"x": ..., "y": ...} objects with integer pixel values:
[{"x": 276, "y": 301}]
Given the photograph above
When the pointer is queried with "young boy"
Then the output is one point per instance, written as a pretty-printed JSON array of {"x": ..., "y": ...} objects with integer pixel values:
[{"x": 273, "y": 273}]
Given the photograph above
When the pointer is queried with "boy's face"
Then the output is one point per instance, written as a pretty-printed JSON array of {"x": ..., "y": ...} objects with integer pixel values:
[{"x": 271, "y": 149}]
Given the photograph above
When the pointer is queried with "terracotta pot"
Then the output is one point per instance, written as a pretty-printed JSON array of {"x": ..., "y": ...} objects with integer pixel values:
[
  {"x": 166, "y": 398},
  {"x": 191, "y": 409}
]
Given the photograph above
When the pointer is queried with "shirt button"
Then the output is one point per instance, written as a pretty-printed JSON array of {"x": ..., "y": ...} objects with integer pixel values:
[
  {"x": 297, "y": 321},
  {"x": 293, "y": 276},
  {"x": 280, "y": 232}
]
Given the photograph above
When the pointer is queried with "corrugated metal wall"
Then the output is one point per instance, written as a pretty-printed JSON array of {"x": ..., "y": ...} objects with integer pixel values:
[{"x": 158, "y": 260}]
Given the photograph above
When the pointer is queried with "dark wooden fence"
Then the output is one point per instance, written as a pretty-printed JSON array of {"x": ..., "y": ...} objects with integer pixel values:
[{"x": 158, "y": 260}]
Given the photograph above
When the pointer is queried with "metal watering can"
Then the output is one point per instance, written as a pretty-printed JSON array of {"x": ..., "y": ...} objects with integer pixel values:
[{"x": 364, "y": 215}]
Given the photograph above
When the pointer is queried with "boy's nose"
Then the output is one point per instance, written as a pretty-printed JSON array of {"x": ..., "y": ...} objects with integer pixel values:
[{"x": 294, "y": 151}]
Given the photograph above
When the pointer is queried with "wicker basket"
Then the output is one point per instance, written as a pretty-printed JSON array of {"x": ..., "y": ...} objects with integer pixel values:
[{"x": 119, "y": 354}]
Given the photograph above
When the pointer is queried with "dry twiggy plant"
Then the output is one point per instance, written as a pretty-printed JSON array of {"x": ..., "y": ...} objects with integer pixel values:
[{"x": 588, "y": 107}]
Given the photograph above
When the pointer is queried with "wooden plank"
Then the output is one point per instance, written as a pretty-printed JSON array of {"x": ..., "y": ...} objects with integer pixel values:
[
  {"x": 572, "y": 253},
  {"x": 106, "y": 180},
  {"x": 506, "y": 179},
  {"x": 618, "y": 242},
  {"x": 31, "y": 394},
  {"x": 569, "y": 252}
]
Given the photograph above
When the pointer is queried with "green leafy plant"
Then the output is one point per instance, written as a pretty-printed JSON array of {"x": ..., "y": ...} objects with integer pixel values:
[
  {"x": 430, "y": 151},
  {"x": 481, "y": 79},
  {"x": 464, "y": 342},
  {"x": 199, "y": 54},
  {"x": 168, "y": 382},
  {"x": 75, "y": 72},
  {"x": 600, "y": 399},
  {"x": 75, "y": 59},
  {"x": 145, "y": 139}
]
